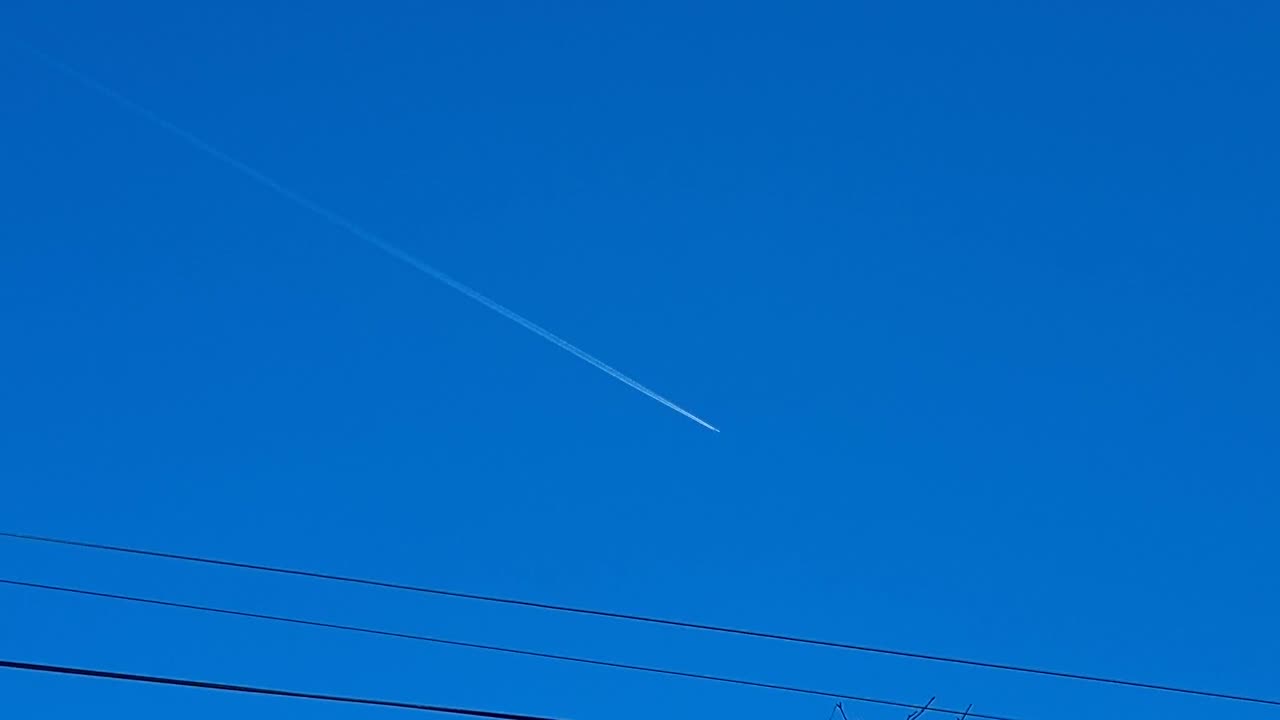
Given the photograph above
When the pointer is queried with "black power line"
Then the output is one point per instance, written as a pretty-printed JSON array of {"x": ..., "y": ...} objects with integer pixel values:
[
  {"x": 916, "y": 708},
  {"x": 252, "y": 690},
  {"x": 652, "y": 620}
]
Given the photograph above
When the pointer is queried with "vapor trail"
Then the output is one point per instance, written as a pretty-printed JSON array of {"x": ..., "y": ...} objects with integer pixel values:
[{"x": 358, "y": 231}]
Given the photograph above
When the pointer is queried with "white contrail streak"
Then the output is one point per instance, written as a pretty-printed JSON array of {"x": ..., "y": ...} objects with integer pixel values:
[{"x": 361, "y": 233}]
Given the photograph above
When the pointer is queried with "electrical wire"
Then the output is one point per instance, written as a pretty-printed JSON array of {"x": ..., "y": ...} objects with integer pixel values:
[
  {"x": 707, "y": 627},
  {"x": 916, "y": 708},
  {"x": 254, "y": 690}
]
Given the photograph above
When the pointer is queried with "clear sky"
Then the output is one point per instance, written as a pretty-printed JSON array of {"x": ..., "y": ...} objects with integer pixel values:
[{"x": 982, "y": 295}]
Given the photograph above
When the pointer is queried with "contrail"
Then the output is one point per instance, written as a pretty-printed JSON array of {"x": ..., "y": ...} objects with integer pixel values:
[{"x": 356, "y": 230}]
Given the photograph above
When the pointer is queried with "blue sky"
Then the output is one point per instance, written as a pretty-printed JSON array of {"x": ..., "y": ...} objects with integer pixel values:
[{"x": 983, "y": 299}]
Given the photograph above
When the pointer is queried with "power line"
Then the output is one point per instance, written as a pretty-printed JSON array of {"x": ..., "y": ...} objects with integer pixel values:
[
  {"x": 916, "y": 708},
  {"x": 969, "y": 662},
  {"x": 252, "y": 690}
]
